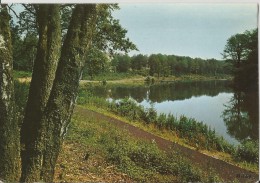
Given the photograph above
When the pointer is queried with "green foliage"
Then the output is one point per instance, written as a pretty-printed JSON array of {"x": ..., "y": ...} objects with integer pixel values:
[
  {"x": 86, "y": 97},
  {"x": 24, "y": 49},
  {"x": 149, "y": 80},
  {"x": 165, "y": 65},
  {"x": 241, "y": 52},
  {"x": 197, "y": 134},
  {"x": 22, "y": 74},
  {"x": 109, "y": 35},
  {"x": 248, "y": 151},
  {"x": 121, "y": 63},
  {"x": 141, "y": 160},
  {"x": 96, "y": 62},
  {"x": 138, "y": 62}
]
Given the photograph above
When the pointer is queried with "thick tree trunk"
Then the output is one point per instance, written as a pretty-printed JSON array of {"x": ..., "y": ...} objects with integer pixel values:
[
  {"x": 48, "y": 53},
  {"x": 9, "y": 131},
  {"x": 65, "y": 88}
]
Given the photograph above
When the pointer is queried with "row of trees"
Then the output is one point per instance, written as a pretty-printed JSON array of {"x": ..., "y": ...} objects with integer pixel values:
[
  {"x": 158, "y": 65},
  {"x": 99, "y": 62},
  {"x": 240, "y": 53},
  {"x": 66, "y": 35}
]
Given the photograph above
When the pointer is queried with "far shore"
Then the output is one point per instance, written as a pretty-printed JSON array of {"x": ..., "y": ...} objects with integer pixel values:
[{"x": 142, "y": 79}]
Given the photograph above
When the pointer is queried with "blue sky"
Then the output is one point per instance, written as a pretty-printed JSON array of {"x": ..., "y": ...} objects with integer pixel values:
[{"x": 191, "y": 29}]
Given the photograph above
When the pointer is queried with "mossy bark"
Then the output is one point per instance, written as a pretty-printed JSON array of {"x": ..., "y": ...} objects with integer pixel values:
[
  {"x": 9, "y": 131},
  {"x": 65, "y": 88},
  {"x": 45, "y": 65}
]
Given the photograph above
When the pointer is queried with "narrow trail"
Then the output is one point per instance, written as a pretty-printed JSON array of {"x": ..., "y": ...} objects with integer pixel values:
[{"x": 225, "y": 170}]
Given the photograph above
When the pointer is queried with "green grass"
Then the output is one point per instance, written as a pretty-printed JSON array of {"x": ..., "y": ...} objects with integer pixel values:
[
  {"x": 109, "y": 76},
  {"x": 22, "y": 74},
  {"x": 195, "y": 134},
  {"x": 142, "y": 161}
]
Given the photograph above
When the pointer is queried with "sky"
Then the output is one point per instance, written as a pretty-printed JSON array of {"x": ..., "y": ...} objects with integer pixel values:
[{"x": 191, "y": 29}]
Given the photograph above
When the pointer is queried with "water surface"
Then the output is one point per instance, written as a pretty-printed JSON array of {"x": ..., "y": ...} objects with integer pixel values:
[{"x": 212, "y": 102}]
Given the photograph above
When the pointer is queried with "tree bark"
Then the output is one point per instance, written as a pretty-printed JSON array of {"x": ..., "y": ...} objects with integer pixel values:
[
  {"x": 60, "y": 106},
  {"x": 9, "y": 131},
  {"x": 48, "y": 53}
]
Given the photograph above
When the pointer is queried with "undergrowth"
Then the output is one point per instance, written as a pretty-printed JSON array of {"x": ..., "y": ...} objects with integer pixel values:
[
  {"x": 197, "y": 134},
  {"x": 141, "y": 160}
]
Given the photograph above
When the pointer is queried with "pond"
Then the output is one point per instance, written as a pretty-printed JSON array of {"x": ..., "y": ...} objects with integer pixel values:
[{"x": 233, "y": 115}]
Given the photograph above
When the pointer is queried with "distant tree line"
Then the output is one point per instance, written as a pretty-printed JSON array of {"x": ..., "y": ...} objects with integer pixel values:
[{"x": 158, "y": 65}]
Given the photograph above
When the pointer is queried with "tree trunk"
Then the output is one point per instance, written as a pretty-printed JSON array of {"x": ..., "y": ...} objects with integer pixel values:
[
  {"x": 65, "y": 88},
  {"x": 48, "y": 53},
  {"x": 9, "y": 131}
]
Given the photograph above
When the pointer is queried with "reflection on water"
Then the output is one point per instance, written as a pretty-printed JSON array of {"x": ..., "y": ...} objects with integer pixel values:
[
  {"x": 241, "y": 116},
  {"x": 207, "y": 109},
  {"x": 232, "y": 115}
]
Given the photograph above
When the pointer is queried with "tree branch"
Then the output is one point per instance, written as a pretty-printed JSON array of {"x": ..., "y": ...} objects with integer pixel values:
[
  {"x": 28, "y": 9},
  {"x": 11, "y": 9}
]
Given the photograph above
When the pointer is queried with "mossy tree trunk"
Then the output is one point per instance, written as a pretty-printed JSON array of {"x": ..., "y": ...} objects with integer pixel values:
[
  {"x": 60, "y": 106},
  {"x": 44, "y": 126},
  {"x": 45, "y": 65},
  {"x": 50, "y": 104},
  {"x": 9, "y": 131}
]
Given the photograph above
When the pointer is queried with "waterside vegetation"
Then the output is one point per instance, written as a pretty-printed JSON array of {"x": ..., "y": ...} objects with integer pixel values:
[
  {"x": 193, "y": 133},
  {"x": 133, "y": 159}
]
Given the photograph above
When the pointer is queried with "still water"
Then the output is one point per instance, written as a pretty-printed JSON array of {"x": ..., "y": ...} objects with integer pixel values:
[{"x": 212, "y": 102}]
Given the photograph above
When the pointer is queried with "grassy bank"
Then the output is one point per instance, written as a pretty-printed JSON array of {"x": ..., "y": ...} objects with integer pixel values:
[
  {"x": 100, "y": 149},
  {"x": 124, "y": 78},
  {"x": 185, "y": 131},
  {"x": 109, "y": 76},
  {"x": 96, "y": 151},
  {"x": 131, "y": 78}
]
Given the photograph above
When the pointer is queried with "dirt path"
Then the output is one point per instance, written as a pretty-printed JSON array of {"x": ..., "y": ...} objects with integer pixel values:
[{"x": 225, "y": 170}]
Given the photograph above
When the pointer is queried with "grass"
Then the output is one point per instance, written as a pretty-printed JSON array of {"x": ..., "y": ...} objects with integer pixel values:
[
  {"x": 185, "y": 131},
  {"x": 100, "y": 149},
  {"x": 93, "y": 147},
  {"x": 22, "y": 74},
  {"x": 109, "y": 76},
  {"x": 133, "y": 75}
]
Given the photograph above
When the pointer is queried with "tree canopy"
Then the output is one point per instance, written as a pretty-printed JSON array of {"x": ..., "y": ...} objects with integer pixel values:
[{"x": 241, "y": 51}]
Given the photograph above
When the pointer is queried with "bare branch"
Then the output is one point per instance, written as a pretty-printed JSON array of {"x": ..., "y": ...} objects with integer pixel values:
[
  {"x": 28, "y": 9},
  {"x": 11, "y": 9}
]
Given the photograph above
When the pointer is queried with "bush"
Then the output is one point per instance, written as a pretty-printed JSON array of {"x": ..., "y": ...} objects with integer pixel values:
[
  {"x": 149, "y": 80},
  {"x": 248, "y": 151},
  {"x": 150, "y": 115},
  {"x": 161, "y": 121}
]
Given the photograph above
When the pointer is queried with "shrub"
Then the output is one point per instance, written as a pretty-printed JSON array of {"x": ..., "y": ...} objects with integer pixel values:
[
  {"x": 161, "y": 121},
  {"x": 149, "y": 80},
  {"x": 151, "y": 115},
  {"x": 248, "y": 151}
]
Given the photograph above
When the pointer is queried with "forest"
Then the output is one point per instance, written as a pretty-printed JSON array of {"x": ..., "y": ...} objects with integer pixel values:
[{"x": 59, "y": 44}]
